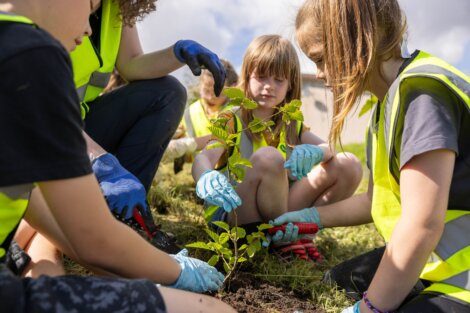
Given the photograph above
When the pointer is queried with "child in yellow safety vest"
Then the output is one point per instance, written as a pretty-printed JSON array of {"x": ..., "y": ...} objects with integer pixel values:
[
  {"x": 193, "y": 132},
  {"x": 418, "y": 152},
  {"x": 271, "y": 77}
]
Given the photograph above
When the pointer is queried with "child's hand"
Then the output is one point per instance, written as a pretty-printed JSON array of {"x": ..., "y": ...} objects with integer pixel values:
[
  {"x": 214, "y": 188},
  {"x": 196, "y": 275},
  {"x": 303, "y": 159}
]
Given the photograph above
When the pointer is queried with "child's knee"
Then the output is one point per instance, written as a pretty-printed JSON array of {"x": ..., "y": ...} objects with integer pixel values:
[
  {"x": 350, "y": 167},
  {"x": 268, "y": 160}
]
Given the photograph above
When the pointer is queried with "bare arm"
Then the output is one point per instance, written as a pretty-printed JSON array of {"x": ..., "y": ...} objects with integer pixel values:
[
  {"x": 94, "y": 149},
  {"x": 418, "y": 230},
  {"x": 312, "y": 139},
  {"x": 206, "y": 160},
  {"x": 97, "y": 238},
  {"x": 133, "y": 64}
]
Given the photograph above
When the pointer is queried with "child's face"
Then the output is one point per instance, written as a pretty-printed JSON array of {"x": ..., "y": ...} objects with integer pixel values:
[
  {"x": 268, "y": 91},
  {"x": 73, "y": 21},
  {"x": 207, "y": 92},
  {"x": 316, "y": 55}
]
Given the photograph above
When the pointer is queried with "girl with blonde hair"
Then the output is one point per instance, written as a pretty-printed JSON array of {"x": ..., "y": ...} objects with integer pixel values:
[
  {"x": 418, "y": 152},
  {"x": 271, "y": 77}
]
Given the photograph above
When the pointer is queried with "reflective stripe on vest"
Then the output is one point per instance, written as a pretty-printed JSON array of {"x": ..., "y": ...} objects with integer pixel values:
[
  {"x": 92, "y": 70},
  {"x": 449, "y": 265},
  {"x": 196, "y": 121},
  {"x": 9, "y": 17},
  {"x": 13, "y": 203}
]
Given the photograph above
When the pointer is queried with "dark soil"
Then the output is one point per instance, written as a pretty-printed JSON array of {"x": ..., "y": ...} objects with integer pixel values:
[{"x": 248, "y": 294}]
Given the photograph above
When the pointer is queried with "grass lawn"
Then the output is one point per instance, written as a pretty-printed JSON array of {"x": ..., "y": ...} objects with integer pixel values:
[{"x": 176, "y": 208}]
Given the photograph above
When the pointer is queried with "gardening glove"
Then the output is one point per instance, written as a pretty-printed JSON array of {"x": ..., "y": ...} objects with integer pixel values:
[
  {"x": 196, "y": 275},
  {"x": 214, "y": 188},
  {"x": 353, "y": 309},
  {"x": 291, "y": 234},
  {"x": 179, "y": 147},
  {"x": 197, "y": 57},
  {"x": 303, "y": 159},
  {"x": 122, "y": 190}
]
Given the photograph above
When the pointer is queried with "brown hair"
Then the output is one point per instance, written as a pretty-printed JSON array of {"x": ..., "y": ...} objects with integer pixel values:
[
  {"x": 232, "y": 76},
  {"x": 272, "y": 55},
  {"x": 356, "y": 36},
  {"x": 135, "y": 10}
]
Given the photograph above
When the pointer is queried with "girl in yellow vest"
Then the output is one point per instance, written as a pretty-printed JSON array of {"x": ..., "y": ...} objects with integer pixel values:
[
  {"x": 418, "y": 147},
  {"x": 271, "y": 76},
  {"x": 43, "y": 149}
]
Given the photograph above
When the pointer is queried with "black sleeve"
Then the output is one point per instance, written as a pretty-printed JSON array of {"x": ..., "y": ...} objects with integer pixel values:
[{"x": 40, "y": 125}]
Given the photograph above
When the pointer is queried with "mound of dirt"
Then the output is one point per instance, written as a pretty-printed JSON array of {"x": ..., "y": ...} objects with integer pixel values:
[{"x": 250, "y": 295}]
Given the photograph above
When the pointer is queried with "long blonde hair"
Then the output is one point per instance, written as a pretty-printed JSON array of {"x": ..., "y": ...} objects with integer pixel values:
[
  {"x": 356, "y": 37},
  {"x": 272, "y": 55}
]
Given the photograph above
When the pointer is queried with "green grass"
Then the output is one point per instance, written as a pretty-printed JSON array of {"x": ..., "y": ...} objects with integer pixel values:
[{"x": 175, "y": 195}]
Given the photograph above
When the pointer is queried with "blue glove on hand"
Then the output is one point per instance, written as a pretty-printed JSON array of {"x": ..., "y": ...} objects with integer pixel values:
[
  {"x": 214, "y": 188},
  {"x": 291, "y": 234},
  {"x": 122, "y": 190},
  {"x": 303, "y": 159},
  {"x": 196, "y": 275},
  {"x": 196, "y": 56},
  {"x": 353, "y": 309}
]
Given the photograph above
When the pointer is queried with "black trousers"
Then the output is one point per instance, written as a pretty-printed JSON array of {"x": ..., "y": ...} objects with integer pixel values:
[
  {"x": 355, "y": 276},
  {"x": 136, "y": 122}
]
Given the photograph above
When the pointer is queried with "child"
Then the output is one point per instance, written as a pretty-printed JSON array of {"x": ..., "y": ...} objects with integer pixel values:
[
  {"x": 271, "y": 76},
  {"x": 418, "y": 155},
  {"x": 43, "y": 148},
  {"x": 196, "y": 119}
]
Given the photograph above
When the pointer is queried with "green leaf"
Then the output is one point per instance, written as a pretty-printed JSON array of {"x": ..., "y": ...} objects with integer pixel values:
[
  {"x": 243, "y": 247},
  {"x": 222, "y": 225},
  {"x": 296, "y": 103},
  {"x": 238, "y": 173},
  {"x": 199, "y": 245},
  {"x": 212, "y": 234},
  {"x": 264, "y": 227},
  {"x": 296, "y": 116},
  {"x": 223, "y": 238},
  {"x": 249, "y": 104},
  {"x": 235, "y": 102},
  {"x": 233, "y": 92},
  {"x": 256, "y": 125},
  {"x": 218, "y": 132},
  {"x": 227, "y": 268},
  {"x": 209, "y": 212},
  {"x": 213, "y": 260},
  {"x": 270, "y": 123},
  {"x": 242, "y": 259},
  {"x": 251, "y": 250},
  {"x": 249, "y": 238},
  {"x": 215, "y": 145},
  {"x": 240, "y": 232}
]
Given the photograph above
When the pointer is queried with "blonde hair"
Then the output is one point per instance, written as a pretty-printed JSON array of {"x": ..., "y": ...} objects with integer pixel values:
[
  {"x": 272, "y": 55},
  {"x": 356, "y": 37}
]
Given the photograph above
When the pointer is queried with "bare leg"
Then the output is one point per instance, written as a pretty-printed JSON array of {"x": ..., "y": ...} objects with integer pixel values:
[
  {"x": 327, "y": 183},
  {"x": 45, "y": 258},
  {"x": 187, "y": 302},
  {"x": 24, "y": 234},
  {"x": 264, "y": 190}
]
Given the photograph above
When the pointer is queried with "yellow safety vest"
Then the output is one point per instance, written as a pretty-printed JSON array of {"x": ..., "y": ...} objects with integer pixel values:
[
  {"x": 13, "y": 199},
  {"x": 195, "y": 120},
  {"x": 92, "y": 68},
  {"x": 247, "y": 147},
  {"x": 449, "y": 265}
]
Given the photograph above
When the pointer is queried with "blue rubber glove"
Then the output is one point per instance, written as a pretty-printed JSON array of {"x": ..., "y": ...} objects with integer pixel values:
[
  {"x": 197, "y": 57},
  {"x": 291, "y": 234},
  {"x": 353, "y": 309},
  {"x": 122, "y": 190},
  {"x": 303, "y": 159},
  {"x": 196, "y": 275},
  {"x": 214, "y": 188},
  {"x": 309, "y": 215}
]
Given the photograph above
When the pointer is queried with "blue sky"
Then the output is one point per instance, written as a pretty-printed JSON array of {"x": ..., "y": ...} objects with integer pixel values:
[{"x": 228, "y": 26}]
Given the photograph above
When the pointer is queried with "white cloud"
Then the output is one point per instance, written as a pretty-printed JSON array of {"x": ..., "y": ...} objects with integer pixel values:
[{"x": 227, "y": 26}]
